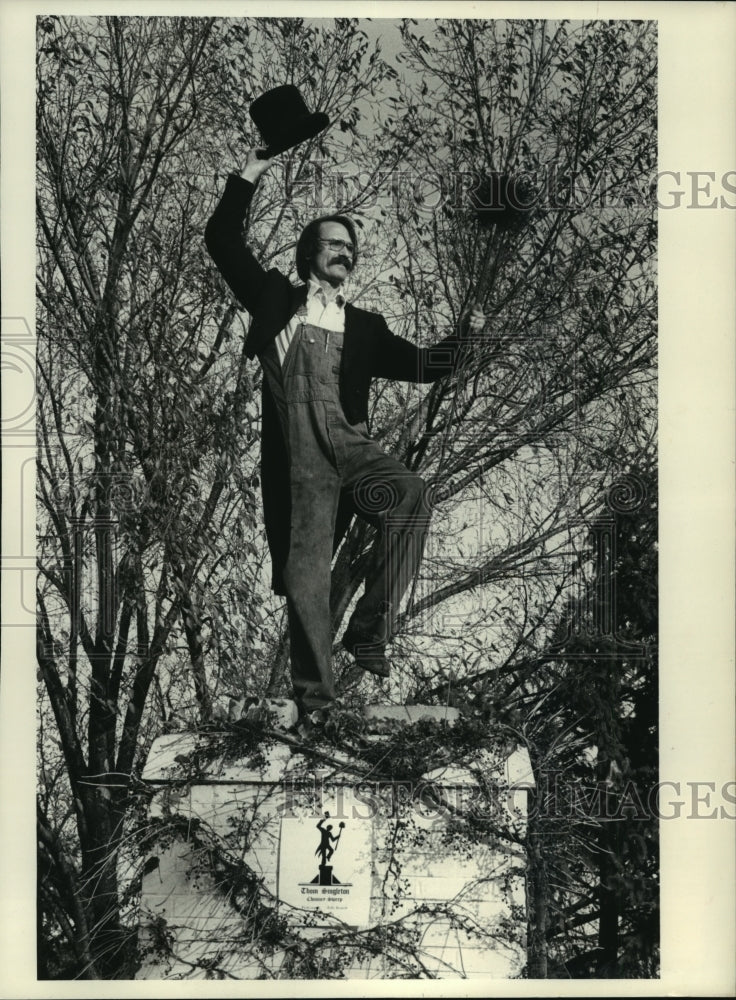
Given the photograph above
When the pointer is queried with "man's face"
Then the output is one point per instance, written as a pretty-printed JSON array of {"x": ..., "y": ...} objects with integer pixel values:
[{"x": 326, "y": 263}]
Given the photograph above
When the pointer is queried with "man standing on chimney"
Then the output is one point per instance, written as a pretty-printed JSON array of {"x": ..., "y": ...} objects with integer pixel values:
[{"x": 319, "y": 465}]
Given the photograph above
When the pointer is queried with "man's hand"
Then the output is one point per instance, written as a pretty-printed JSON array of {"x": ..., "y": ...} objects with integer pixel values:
[
  {"x": 473, "y": 321},
  {"x": 476, "y": 319},
  {"x": 255, "y": 167}
]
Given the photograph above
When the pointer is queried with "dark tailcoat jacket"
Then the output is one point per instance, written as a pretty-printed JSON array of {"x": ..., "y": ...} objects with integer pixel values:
[{"x": 370, "y": 351}]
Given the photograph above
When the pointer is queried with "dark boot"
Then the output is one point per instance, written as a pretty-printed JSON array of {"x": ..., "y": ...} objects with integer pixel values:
[{"x": 366, "y": 641}]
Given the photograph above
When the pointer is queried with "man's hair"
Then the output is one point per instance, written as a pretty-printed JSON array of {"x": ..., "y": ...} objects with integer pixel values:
[{"x": 310, "y": 234}]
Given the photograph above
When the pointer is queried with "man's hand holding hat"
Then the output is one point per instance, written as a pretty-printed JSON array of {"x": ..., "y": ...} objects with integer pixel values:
[{"x": 255, "y": 166}]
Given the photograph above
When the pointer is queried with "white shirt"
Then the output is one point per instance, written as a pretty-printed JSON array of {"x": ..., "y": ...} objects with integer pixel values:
[{"x": 318, "y": 310}]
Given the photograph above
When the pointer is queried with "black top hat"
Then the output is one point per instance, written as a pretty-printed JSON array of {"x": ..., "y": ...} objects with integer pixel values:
[{"x": 284, "y": 120}]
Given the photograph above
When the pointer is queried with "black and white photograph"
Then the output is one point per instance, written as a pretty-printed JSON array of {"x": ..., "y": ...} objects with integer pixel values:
[{"x": 345, "y": 460}]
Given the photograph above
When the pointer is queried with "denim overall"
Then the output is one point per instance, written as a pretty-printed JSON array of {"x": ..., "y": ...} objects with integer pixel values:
[{"x": 326, "y": 456}]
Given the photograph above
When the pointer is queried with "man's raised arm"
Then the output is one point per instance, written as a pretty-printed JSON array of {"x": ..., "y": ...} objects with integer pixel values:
[{"x": 224, "y": 237}]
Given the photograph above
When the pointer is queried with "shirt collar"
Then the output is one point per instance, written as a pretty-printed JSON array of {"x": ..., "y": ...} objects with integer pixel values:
[{"x": 314, "y": 288}]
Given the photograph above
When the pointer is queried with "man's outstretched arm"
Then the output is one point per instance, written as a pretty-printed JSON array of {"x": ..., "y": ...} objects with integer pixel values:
[
  {"x": 225, "y": 240},
  {"x": 401, "y": 360}
]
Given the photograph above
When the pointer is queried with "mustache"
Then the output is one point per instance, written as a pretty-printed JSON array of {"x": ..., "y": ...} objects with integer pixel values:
[{"x": 344, "y": 261}]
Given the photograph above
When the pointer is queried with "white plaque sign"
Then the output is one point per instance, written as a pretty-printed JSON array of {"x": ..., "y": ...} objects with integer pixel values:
[{"x": 325, "y": 864}]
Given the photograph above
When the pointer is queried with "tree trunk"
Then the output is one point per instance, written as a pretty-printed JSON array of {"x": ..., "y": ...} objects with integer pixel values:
[
  {"x": 192, "y": 622},
  {"x": 538, "y": 891},
  {"x": 99, "y": 879},
  {"x": 608, "y": 926}
]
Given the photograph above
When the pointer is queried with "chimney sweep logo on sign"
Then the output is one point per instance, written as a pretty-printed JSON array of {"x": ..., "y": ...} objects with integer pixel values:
[
  {"x": 328, "y": 843},
  {"x": 326, "y": 865}
]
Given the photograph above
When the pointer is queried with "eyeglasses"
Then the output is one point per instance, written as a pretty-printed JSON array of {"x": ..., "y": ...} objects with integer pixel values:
[{"x": 337, "y": 245}]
